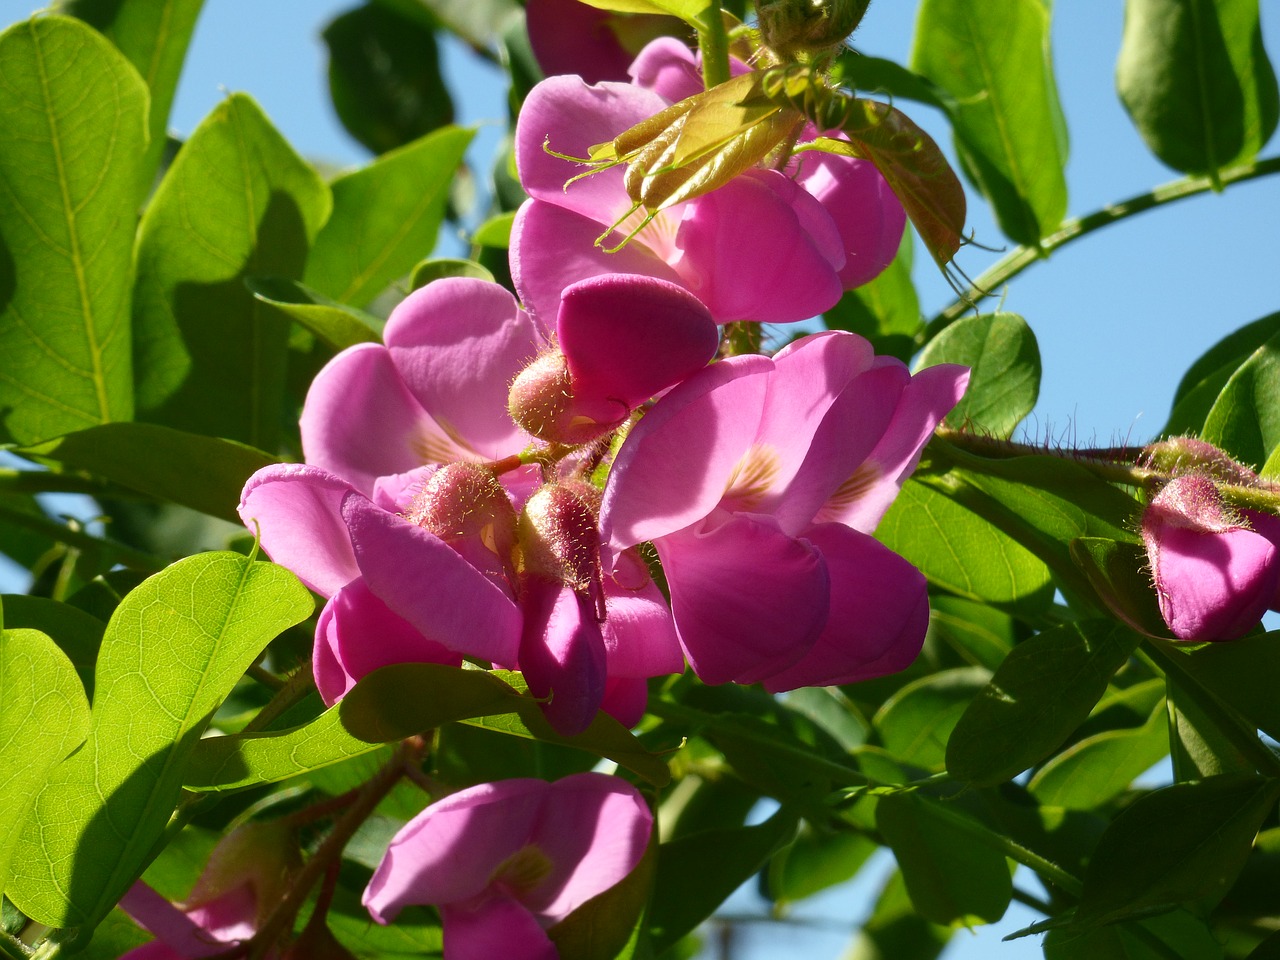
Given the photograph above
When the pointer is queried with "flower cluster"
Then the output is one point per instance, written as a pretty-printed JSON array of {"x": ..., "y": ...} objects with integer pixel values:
[{"x": 480, "y": 487}]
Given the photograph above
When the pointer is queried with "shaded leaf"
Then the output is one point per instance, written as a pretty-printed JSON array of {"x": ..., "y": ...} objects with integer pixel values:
[
  {"x": 77, "y": 634},
  {"x": 994, "y": 62},
  {"x": 479, "y": 22},
  {"x": 889, "y": 79},
  {"x": 172, "y": 652},
  {"x": 385, "y": 217},
  {"x": 1230, "y": 671},
  {"x": 1196, "y": 81},
  {"x": 981, "y": 634},
  {"x": 602, "y": 927},
  {"x": 1171, "y": 935},
  {"x": 815, "y": 861},
  {"x": 916, "y": 723},
  {"x": 896, "y": 930},
  {"x": 336, "y": 324},
  {"x": 1004, "y": 359},
  {"x": 1205, "y": 378},
  {"x": 237, "y": 202},
  {"x": 157, "y": 461},
  {"x": 886, "y": 310},
  {"x": 70, "y": 169},
  {"x": 1120, "y": 573},
  {"x": 1245, "y": 419}
]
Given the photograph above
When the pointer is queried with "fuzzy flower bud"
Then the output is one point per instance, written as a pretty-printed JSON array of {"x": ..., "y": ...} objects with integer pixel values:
[
  {"x": 1180, "y": 455},
  {"x": 791, "y": 27},
  {"x": 465, "y": 506},
  {"x": 560, "y": 537},
  {"x": 542, "y": 402}
]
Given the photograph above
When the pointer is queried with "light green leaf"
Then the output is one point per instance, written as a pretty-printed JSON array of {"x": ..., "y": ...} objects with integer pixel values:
[
  {"x": 1092, "y": 771},
  {"x": 479, "y": 22},
  {"x": 994, "y": 61},
  {"x": 337, "y": 324},
  {"x": 237, "y": 202},
  {"x": 1044, "y": 690},
  {"x": 173, "y": 651},
  {"x": 1245, "y": 419},
  {"x": 1004, "y": 359},
  {"x": 1196, "y": 81},
  {"x": 157, "y": 461},
  {"x": 73, "y": 117},
  {"x": 1182, "y": 845},
  {"x": 495, "y": 232},
  {"x": 429, "y": 270},
  {"x": 385, "y": 217},
  {"x": 692, "y": 12},
  {"x": 154, "y": 35},
  {"x": 960, "y": 551},
  {"x": 916, "y": 722},
  {"x": 951, "y": 874},
  {"x": 44, "y": 715},
  {"x": 980, "y": 633}
]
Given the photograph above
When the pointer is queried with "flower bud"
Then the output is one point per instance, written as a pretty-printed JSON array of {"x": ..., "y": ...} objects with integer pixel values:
[
  {"x": 796, "y": 27},
  {"x": 542, "y": 402},
  {"x": 560, "y": 536},
  {"x": 466, "y": 506},
  {"x": 1181, "y": 455}
]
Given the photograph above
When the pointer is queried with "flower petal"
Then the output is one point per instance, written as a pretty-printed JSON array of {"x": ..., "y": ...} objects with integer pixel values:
[
  {"x": 457, "y": 344},
  {"x": 500, "y": 927},
  {"x": 420, "y": 578},
  {"x": 625, "y": 699},
  {"x": 298, "y": 510},
  {"x": 877, "y": 619},
  {"x": 562, "y": 654},
  {"x": 748, "y": 600},
  {"x": 639, "y": 634}
]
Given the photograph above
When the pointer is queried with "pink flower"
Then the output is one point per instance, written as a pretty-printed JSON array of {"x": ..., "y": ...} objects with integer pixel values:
[
  {"x": 759, "y": 482},
  {"x": 1214, "y": 575},
  {"x": 572, "y": 37},
  {"x": 767, "y": 246},
  {"x": 504, "y": 861}
]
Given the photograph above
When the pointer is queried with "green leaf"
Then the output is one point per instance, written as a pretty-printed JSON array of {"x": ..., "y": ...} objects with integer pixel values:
[
  {"x": 601, "y": 928},
  {"x": 1199, "y": 746},
  {"x": 478, "y": 22},
  {"x": 1002, "y": 353},
  {"x": 157, "y": 460},
  {"x": 692, "y": 12},
  {"x": 981, "y": 634},
  {"x": 916, "y": 722},
  {"x": 337, "y": 324},
  {"x": 384, "y": 76},
  {"x": 70, "y": 168},
  {"x": 1093, "y": 770},
  {"x": 237, "y": 202},
  {"x": 153, "y": 35},
  {"x": 1171, "y": 935},
  {"x": 495, "y": 232},
  {"x": 994, "y": 61},
  {"x": 1196, "y": 81},
  {"x": 698, "y": 872},
  {"x": 1044, "y": 690},
  {"x": 896, "y": 930},
  {"x": 1204, "y": 380},
  {"x": 1231, "y": 671},
  {"x": 44, "y": 715},
  {"x": 815, "y": 861},
  {"x": 393, "y": 703},
  {"x": 1182, "y": 845},
  {"x": 173, "y": 651},
  {"x": 950, "y": 873},
  {"x": 1245, "y": 419},
  {"x": 1120, "y": 574},
  {"x": 385, "y": 217},
  {"x": 429, "y": 270},
  {"x": 886, "y": 311},
  {"x": 77, "y": 634},
  {"x": 889, "y": 79},
  {"x": 960, "y": 551}
]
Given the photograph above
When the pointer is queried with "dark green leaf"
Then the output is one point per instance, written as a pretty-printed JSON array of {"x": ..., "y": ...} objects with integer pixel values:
[
  {"x": 890, "y": 79},
  {"x": 1204, "y": 380},
  {"x": 154, "y": 35},
  {"x": 1196, "y": 81},
  {"x": 43, "y": 716},
  {"x": 1172, "y": 936},
  {"x": 916, "y": 722},
  {"x": 237, "y": 202},
  {"x": 994, "y": 61},
  {"x": 173, "y": 650},
  {"x": 1231, "y": 672},
  {"x": 1199, "y": 746},
  {"x": 1044, "y": 690},
  {"x": 157, "y": 461},
  {"x": 1121, "y": 575},
  {"x": 336, "y": 324},
  {"x": 77, "y": 634},
  {"x": 979, "y": 633},
  {"x": 1001, "y": 352},
  {"x": 698, "y": 872},
  {"x": 816, "y": 860},
  {"x": 896, "y": 931},
  {"x": 962, "y": 552},
  {"x": 71, "y": 165},
  {"x": 385, "y": 217},
  {"x": 1245, "y": 419},
  {"x": 951, "y": 874},
  {"x": 600, "y": 928},
  {"x": 1180, "y": 845},
  {"x": 886, "y": 311},
  {"x": 384, "y": 76}
]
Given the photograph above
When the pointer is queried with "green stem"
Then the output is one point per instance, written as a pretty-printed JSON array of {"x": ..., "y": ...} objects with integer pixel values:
[
  {"x": 126, "y": 555},
  {"x": 43, "y": 481},
  {"x": 713, "y": 42},
  {"x": 995, "y": 277}
]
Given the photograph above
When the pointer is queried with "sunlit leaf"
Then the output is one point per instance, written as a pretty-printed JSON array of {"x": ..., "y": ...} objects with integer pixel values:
[
  {"x": 692, "y": 12},
  {"x": 173, "y": 650},
  {"x": 1245, "y": 419},
  {"x": 916, "y": 723},
  {"x": 994, "y": 61},
  {"x": 495, "y": 232},
  {"x": 1205, "y": 378},
  {"x": 70, "y": 169},
  {"x": 429, "y": 270},
  {"x": 336, "y": 324}
]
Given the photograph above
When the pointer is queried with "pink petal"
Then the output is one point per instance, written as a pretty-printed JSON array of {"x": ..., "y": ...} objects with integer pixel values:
[
  {"x": 499, "y": 927},
  {"x": 668, "y": 68},
  {"x": 357, "y": 634},
  {"x": 552, "y": 248},
  {"x": 625, "y": 699},
  {"x": 678, "y": 460},
  {"x": 177, "y": 934},
  {"x": 1268, "y": 526},
  {"x": 749, "y": 253},
  {"x": 562, "y": 654},
  {"x": 457, "y": 344},
  {"x": 877, "y": 619},
  {"x": 627, "y": 338},
  {"x": 929, "y": 397},
  {"x": 361, "y": 422},
  {"x": 420, "y": 578},
  {"x": 594, "y": 828},
  {"x": 865, "y": 211},
  {"x": 639, "y": 634},
  {"x": 449, "y": 852},
  {"x": 298, "y": 510},
  {"x": 569, "y": 37},
  {"x": 748, "y": 600}
]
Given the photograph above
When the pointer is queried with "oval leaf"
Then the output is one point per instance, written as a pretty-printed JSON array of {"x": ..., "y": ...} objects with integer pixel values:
[{"x": 1245, "y": 419}]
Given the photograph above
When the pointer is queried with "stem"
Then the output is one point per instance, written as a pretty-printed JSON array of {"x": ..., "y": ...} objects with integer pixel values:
[
  {"x": 741, "y": 337},
  {"x": 44, "y": 481},
  {"x": 1106, "y": 463},
  {"x": 713, "y": 43},
  {"x": 126, "y": 555},
  {"x": 1012, "y": 264}
]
